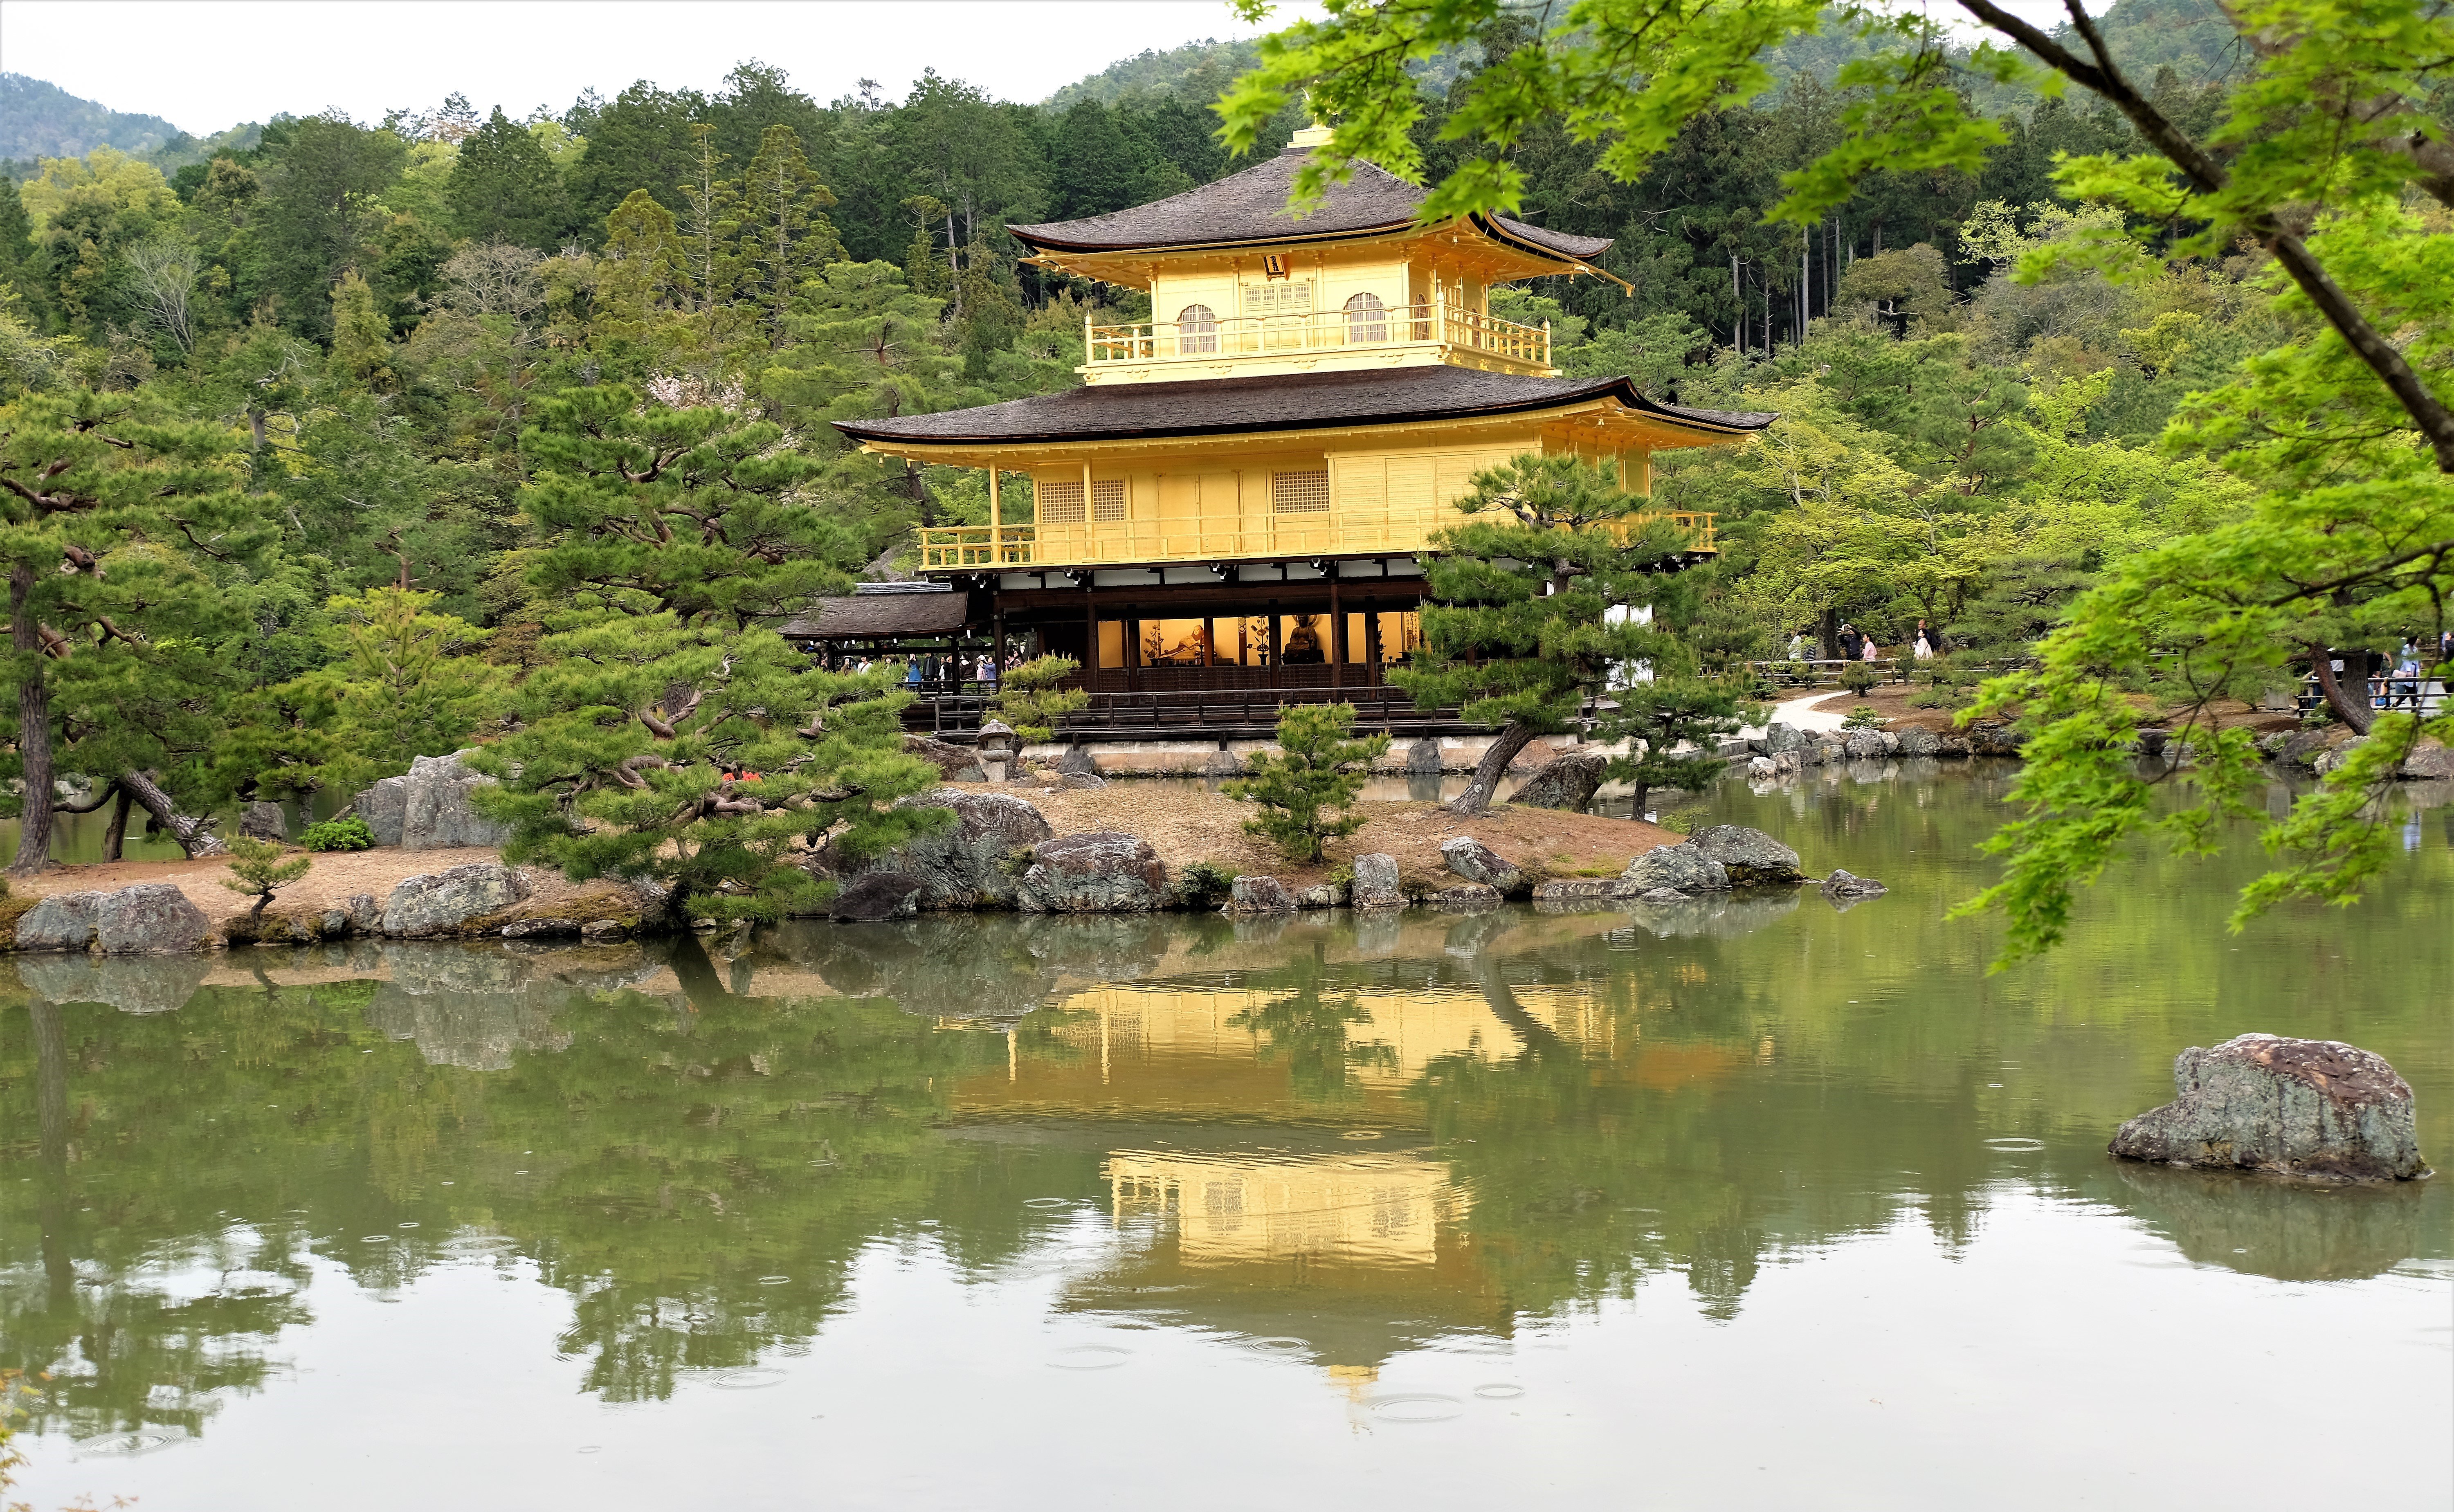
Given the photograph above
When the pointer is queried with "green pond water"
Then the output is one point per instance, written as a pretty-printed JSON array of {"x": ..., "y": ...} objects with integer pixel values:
[{"x": 1756, "y": 1205}]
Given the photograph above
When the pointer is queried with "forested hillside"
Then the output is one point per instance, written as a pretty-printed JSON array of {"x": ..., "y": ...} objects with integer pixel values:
[{"x": 418, "y": 355}]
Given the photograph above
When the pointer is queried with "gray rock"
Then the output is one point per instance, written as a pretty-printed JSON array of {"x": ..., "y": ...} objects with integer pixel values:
[
  {"x": 1100, "y": 872},
  {"x": 1466, "y": 898},
  {"x": 964, "y": 866},
  {"x": 384, "y": 806},
  {"x": 1222, "y": 764},
  {"x": 1376, "y": 885},
  {"x": 1863, "y": 745},
  {"x": 541, "y": 929},
  {"x": 1918, "y": 741},
  {"x": 1986, "y": 739},
  {"x": 1952, "y": 743},
  {"x": 2301, "y": 1107},
  {"x": 357, "y": 915},
  {"x": 1423, "y": 759},
  {"x": 1682, "y": 869},
  {"x": 448, "y": 901},
  {"x": 1751, "y": 856},
  {"x": 132, "y": 985},
  {"x": 1833, "y": 749},
  {"x": 1762, "y": 768},
  {"x": 2430, "y": 763},
  {"x": 1077, "y": 758},
  {"x": 1841, "y": 884},
  {"x": 603, "y": 930},
  {"x": 1478, "y": 862},
  {"x": 1662, "y": 894},
  {"x": 1575, "y": 888},
  {"x": 1891, "y": 742},
  {"x": 1081, "y": 781},
  {"x": 1780, "y": 738},
  {"x": 1321, "y": 894},
  {"x": 1789, "y": 763},
  {"x": 1565, "y": 782},
  {"x": 154, "y": 918},
  {"x": 1261, "y": 895},
  {"x": 264, "y": 822},
  {"x": 61, "y": 921},
  {"x": 955, "y": 764},
  {"x": 876, "y": 897}
]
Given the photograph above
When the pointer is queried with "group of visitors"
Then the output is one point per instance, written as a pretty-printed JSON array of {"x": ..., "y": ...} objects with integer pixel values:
[{"x": 928, "y": 668}]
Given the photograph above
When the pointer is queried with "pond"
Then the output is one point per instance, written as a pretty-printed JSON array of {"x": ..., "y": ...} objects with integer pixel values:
[{"x": 1756, "y": 1205}]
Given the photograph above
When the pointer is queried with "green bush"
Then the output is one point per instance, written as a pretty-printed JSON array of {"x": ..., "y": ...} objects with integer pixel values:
[
  {"x": 1202, "y": 886},
  {"x": 339, "y": 835},
  {"x": 1310, "y": 773},
  {"x": 1029, "y": 701},
  {"x": 1860, "y": 678},
  {"x": 1862, "y": 717}
]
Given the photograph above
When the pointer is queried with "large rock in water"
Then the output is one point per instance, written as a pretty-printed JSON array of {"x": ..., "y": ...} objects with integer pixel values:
[
  {"x": 1478, "y": 862},
  {"x": 460, "y": 901},
  {"x": 1375, "y": 887},
  {"x": 2301, "y": 1107},
  {"x": 1682, "y": 869},
  {"x": 1261, "y": 895},
  {"x": 61, "y": 921},
  {"x": 1780, "y": 738},
  {"x": 1562, "y": 783},
  {"x": 965, "y": 866},
  {"x": 1918, "y": 741},
  {"x": 429, "y": 810},
  {"x": 1750, "y": 857},
  {"x": 1099, "y": 872},
  {"x": 154, "y": 918},
  {"x": 876, "y": 897}
]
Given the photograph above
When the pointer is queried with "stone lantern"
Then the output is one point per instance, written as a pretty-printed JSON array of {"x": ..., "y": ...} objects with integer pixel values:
[{"x": 1000, "y": 748}]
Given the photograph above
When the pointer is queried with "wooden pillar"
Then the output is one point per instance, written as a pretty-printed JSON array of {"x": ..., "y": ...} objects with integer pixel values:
[
  {"x": 997, "y": 548},
  {"x": 1277, "y": 650},
  {"x": 997, "y": 621},
  {"x": 1336, "y": 632},
  {"x": 1091, "y": 635}
]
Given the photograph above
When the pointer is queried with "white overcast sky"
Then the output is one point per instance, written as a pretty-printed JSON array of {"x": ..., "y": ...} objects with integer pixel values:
[{"x": 205, "y": 65}]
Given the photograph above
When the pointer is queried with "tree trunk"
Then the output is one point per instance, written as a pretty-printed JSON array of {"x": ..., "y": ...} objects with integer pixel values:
[
  {"x": 1477, "y": 798},
  {"x": 2353, "y": 711},
  {"x": 34, "y": 730},
  {"x": 195, "y": 836},
  {"x": 114, "y": 840},
  {"x": 1827, "y": 630}
]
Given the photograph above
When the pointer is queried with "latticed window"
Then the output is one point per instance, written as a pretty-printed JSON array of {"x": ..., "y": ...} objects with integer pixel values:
[
  {"x": 1367, "y": 319},
  {"x": 1196, "y": 330},
  {"x": 1292, "y": 297},
  {"x": 1108, "y": 499},
  {"x": 1300, "y": 492},
  {"x": 1060, "y": 503}
]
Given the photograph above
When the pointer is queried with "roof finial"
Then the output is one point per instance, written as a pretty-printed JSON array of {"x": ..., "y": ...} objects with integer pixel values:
[{"x": 1311, "y": 136}]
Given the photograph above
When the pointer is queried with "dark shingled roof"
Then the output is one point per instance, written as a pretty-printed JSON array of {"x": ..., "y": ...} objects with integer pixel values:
[
  {"x": 1251, "y": 207},
  {"x": 1311, "y": 401},
  {"x": 881, "y": 616}
]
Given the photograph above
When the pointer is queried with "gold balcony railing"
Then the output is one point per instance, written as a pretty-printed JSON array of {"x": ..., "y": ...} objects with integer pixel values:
[
  {"x": 1425, "y": 324},
  {"x": 1209, "y": 536}
]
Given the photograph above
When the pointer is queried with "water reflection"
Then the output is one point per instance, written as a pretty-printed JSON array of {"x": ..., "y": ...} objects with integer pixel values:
[{"x": 1343, "y": 1138}]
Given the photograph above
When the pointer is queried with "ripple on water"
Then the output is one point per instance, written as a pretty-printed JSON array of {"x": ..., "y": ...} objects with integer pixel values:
[
  {"x": 1043, "y": 1201},
  {"x": 132, "y": 1442},
  {"x": 480, "y": 1244},
  {"x": 1091, "y": 1356},
  {"x": 773, "y": 1280},
  {"x": 2013, "y": 1144},
  {"x": 1416, "y": 1406},
  {"x": 1277, "y": 1346},
  {"x": 757, "y": 1377},
  {"x": 1499, "y": 1391},
  {"x": 374, "y": 1239},
  {"x": 1361, "y": 1134}
]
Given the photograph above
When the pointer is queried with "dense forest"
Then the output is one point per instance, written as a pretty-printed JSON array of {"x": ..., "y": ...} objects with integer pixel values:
[{"x": 370, "y": 384}]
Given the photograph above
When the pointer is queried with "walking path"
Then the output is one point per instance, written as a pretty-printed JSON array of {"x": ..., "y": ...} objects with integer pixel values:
[{"x": 1802, "y": 713}]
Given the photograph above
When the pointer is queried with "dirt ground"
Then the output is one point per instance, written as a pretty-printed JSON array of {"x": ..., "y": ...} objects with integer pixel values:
[
  {"x": 1184, "y": 823},
  {"x": 336, "y": 876}
]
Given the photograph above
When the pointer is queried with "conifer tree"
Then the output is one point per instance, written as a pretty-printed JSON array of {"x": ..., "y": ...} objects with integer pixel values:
[
  {"x": 777, "y": 232},
  {"x": 646, "y": 274},
  {"x": 671, "y": 734},
  {"x": 1521, "y": 632},
  {"x": 107, "y": 525},
  {"x": 504, "y": 188},
  {"x": 1319, "y": 765}
]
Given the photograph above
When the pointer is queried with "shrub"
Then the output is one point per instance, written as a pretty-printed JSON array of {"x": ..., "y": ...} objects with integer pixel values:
[
  {"x": 339, "y": 835},
  {"x": 1028, "y": 699},
  {"x": 1860, "y": 678},
  {"x": 1862, "y": 717},
  {"x": 257, "y": 867},
  {"x": 1309, "y": 775},
  {"x": 1202, "y": 886}
]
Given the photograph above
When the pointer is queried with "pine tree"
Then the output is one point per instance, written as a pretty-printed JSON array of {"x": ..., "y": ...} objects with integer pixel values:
[
  {"x": 671, "y": 734},
  {"x": 1520, "y": 631},
  {"x": 645, "y": 274},
  {"x": 504, "y": 188},
  {"x": 1319, "y": 765},
  {"x": 361, "y": 336},
  {"x": 109, "y": 525}
]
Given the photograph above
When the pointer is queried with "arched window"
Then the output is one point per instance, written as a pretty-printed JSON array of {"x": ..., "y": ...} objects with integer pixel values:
[
  {"x": 1367, "y": 319},
  {"x": 1196, "y": 330}
]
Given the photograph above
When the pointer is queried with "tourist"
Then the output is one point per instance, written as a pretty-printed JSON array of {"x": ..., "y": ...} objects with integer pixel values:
[
  {"x": 1798, "y": 646},
  {"x": 912, "y": 672},
  {"x": 1851, "y": 642},
  {"x": 1867, "y": 649}
]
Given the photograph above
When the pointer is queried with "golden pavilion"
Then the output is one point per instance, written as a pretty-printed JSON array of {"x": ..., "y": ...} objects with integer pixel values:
[{"x": 1241, "y": 492}]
